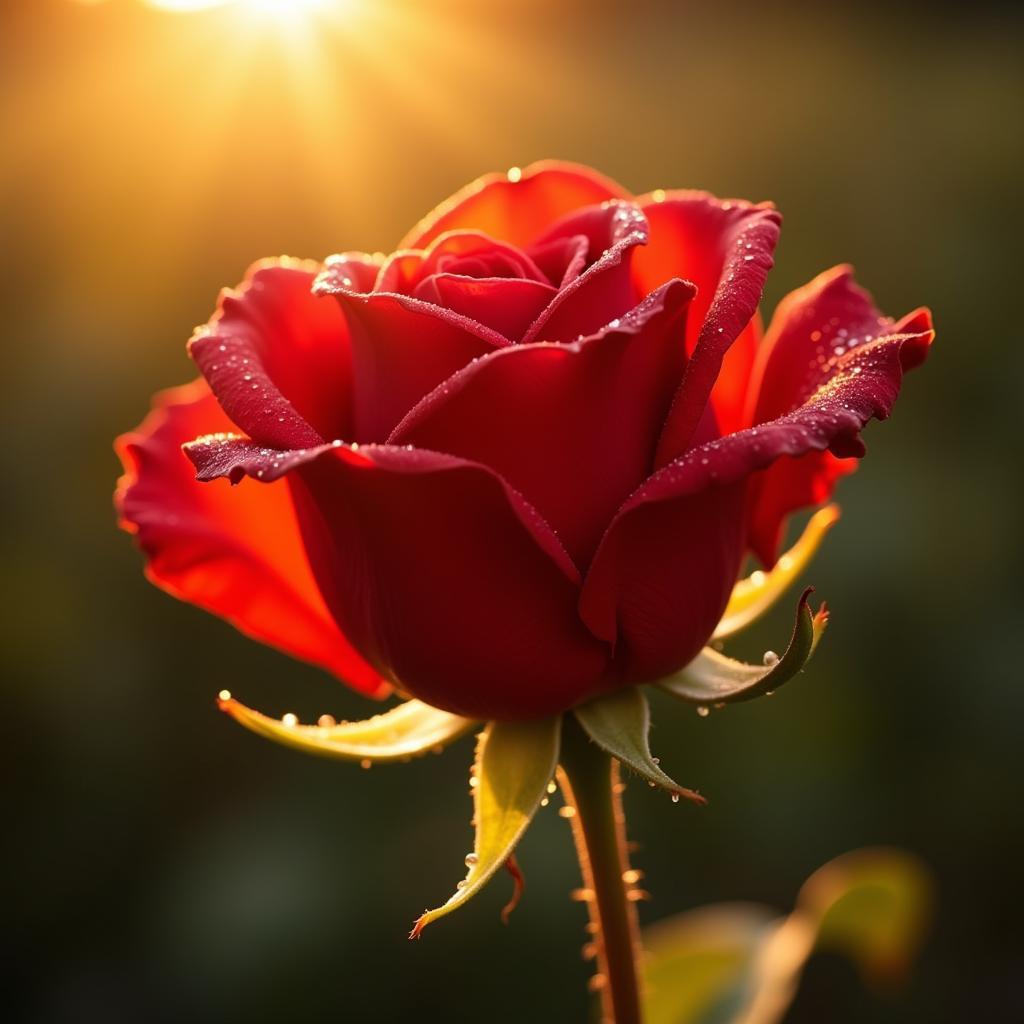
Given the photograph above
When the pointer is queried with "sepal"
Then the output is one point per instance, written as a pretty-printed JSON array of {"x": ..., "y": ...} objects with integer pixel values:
[
  {"x": 619, "y": 723},
  {"x": 755, "y": 594},
  {"x": 514, "y": 764},
  {"x": 408, "y": 730},
  {"x": 713, "y": 678}
]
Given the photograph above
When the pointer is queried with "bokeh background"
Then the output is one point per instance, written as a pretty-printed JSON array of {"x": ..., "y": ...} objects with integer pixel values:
[{"x": 164, "y": 865}]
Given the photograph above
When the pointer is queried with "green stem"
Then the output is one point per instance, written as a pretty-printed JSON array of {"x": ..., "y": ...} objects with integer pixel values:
[{"x": 589, "y": 781}]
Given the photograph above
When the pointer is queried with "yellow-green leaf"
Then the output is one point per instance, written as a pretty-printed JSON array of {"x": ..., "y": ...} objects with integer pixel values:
[
  {"x": 514, "y": 764},
  {"x": 872, "y": 905},
  {"x": 740, "y": 964},
  {"x": 696, "y": 965},
  {"x": 752, "y": 596},
  {"x": 408, "y": 730},
  {"x": 712, "y": 678},
  {"x": 619, "y": 723}
]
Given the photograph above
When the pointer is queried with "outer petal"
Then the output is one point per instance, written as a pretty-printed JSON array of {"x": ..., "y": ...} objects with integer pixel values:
[
  {"x": 233, "y": 553},
  {"x": 725, "y": 247},
  {"x": 446, "y": 579},
  {"x": 673, "y": 551},
  {"x": 402, "y": 348},
  {"x": 604, "y": 290},
  {"x": 277, "y": 357},
  {"x": 812, "y": 328},
  {"x": 516, "y": 207},
  {"x": 573, "y": 427}
]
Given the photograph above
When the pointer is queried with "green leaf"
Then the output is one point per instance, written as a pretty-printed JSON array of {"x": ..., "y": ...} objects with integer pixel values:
[
  {"x": 753, "y": 596},
  {"x": 712, "y": 678},
  {"x": 408, "y": 730},
  {"x": 872, "y": 905},
  {"x": 697, "y": 965},
  {"x": 739, "y": 964},
  {"x": 619, "y": 723},
  {"x": 514, "y": 764}
]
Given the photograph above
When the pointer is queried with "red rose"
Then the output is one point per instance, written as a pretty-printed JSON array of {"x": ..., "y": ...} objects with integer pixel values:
[{"x": 519, "y": 462}]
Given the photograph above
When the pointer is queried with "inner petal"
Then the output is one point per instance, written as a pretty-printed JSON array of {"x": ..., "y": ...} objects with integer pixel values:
[
  {"x": 470, "y": 253},
  {"x": 508, "y": 305}
]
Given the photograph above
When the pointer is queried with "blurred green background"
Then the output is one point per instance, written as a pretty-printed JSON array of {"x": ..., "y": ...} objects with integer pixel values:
[{"x": 164, "y": 865}]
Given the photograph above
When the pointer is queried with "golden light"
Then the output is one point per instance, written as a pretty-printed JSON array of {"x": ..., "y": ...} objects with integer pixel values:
[
  {"x": 278, "y": 8},
  {"x": 185, "y": 5}
]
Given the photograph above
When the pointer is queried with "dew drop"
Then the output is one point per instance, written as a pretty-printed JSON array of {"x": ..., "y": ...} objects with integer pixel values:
[
  {"x": 289, "y": 720},
  {"x": 703, "y": 711},
  {"x": 770, "y": 659}
]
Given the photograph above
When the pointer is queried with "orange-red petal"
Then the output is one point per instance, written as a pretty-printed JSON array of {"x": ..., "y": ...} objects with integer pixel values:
[{"x": 234, "y": 552}]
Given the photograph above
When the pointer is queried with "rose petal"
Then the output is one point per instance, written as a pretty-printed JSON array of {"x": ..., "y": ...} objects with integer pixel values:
[
  {"x": 812, "y": 327},
  {"x": 402, "y": 348},
  {"x": 561, "y": 260},
  {"x": 725, "y": 247},
  {"x": 506, "y": 305},
  {"x": 358, "y": 270},
  {"x": 277, "y": 357},
  {"x": 674, "y": 548},
  {"x": 237, "y": 554},
  {"x": 516, "y": 207},
  {"x": 662, "y": 576},
  {"x": 450, "y": 583},
  {"x": 403, "y": 270},
  {"x": 572, "y": 427},
  {"x": 605, "y": 289}
]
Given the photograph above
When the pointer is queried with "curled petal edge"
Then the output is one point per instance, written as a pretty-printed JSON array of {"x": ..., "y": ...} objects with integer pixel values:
[
  {"x": 235, "y": 457},
  {"x": 713, "y": 678}
]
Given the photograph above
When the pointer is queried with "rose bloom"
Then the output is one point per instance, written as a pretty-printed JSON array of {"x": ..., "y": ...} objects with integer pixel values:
[{"x": 519, "y": 462}]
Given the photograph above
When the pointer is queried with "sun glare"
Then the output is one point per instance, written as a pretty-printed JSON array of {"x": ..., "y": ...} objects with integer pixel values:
[{"x": 290, "y": 8}]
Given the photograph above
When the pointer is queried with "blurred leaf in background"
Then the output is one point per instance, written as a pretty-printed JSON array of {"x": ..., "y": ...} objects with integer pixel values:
[{"x": 741, "y": 963}]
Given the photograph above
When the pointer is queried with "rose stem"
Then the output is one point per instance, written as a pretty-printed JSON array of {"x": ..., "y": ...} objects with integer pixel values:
[{"x": 590, "y": 783}]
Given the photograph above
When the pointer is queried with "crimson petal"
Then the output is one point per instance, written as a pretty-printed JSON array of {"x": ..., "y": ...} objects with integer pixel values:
[
  {"x": 238, "y": 555},
  {"x": 402, "y": 348},
  {"x": 725, "y": 247},
  {"x": 277, "y": 357},
  {"x": 447, "y": 579},
  {"x": 812, "y": 328},
  {"x": 516, "y": 207},
  {"x": 649, "y": 575},
  {"x": 605, "y": 289},
  {"x": 573, "y": 427},
  {"x": 507, "y": 305}
]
